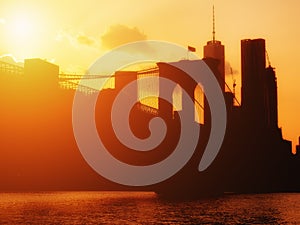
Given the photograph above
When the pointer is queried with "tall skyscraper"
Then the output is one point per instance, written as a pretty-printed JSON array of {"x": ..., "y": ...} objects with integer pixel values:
[
  {"x": 259, "y": 86},
  {"x": 271, "y": 99},
  {"x": 214, "y": 49},
  {"x": 253, "y": 81}
]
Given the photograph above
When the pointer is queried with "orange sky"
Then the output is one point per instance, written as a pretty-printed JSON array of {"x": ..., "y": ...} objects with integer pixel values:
[{"x": 73, "y": 34}]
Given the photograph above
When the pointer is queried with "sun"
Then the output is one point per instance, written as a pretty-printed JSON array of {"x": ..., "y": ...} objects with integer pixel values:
[
  {"x": 22, "y": 28},
  {"x": 22, "y": 34}
]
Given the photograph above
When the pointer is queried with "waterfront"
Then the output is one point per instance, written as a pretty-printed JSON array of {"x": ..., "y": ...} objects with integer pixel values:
[{"x": 146, "y": 208}]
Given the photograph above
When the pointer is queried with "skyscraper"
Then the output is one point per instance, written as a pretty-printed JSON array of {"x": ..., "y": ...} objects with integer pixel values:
[
  {"x": 253, "y": 81},
  {"x": 271, "y": 99},
  {"x": 214, "y": 49}
]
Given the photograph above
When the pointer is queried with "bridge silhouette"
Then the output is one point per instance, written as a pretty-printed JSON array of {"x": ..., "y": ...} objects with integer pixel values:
[
  {"x": 9, "y": 68},
  {"x": 87, "y": 83}
]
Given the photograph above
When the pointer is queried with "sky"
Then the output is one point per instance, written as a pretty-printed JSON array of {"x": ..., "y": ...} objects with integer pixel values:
[{"x": 73, "y": 34}]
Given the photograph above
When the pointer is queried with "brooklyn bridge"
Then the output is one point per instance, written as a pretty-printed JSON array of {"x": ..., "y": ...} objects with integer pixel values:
[
  {"x": 87, "y": 83},
  {"x": 36, "y": 122}
]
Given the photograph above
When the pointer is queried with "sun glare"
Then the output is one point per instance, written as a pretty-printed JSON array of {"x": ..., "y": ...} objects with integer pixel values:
[
  {"x": 22, "y": 28},
  {"x": 22, "y": 35}
]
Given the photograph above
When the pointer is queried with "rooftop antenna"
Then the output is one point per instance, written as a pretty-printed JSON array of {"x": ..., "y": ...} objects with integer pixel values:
[
  {"x": 214, "y": 32},
  {"x": 268, "y": 59}
]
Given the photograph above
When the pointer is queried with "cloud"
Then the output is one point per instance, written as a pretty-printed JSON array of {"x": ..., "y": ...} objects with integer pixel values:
[
  {"x": 120, "y": 34},
  {"x": 86, "y": 40},
  {"x": 65, "y": 35},
  {"x": 115, "y": 36},
  {"x": 77, "y": 39}
]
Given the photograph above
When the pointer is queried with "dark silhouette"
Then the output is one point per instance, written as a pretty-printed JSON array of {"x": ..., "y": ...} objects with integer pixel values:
[
  {"x": 38, "y": 150},
  {"x": 214, "y": 49},
  {"x": 298, "y": 147}
]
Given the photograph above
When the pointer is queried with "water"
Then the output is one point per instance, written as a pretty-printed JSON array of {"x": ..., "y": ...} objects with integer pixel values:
[{"x": 145, "y": 208}]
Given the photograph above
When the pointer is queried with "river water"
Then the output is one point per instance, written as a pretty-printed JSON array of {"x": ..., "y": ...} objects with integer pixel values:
[{"x": 146, "y": 208}]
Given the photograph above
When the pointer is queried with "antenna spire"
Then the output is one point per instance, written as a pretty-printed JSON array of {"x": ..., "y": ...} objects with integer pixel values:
[
  {"x": 268, "y": 59},
  {"x": 214, "y": 32}
]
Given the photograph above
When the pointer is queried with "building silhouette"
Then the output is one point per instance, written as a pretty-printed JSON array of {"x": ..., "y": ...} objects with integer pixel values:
[
  {"x": 253, "y": 61},
  {"x": 36, "y": 123},
  {"x": 33, "y": 68},
  {"x": 259, "y": 87},
  {"x": 298, "y": 147},
  {"x": 271, "y": 99},
  {"x": 214, "y": 49}
]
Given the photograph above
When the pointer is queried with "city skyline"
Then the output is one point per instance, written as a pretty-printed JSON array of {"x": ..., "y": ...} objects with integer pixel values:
[
  {"x": 75, "y": 41},
  {"x": 140, "y": 112},
  {"x": 254, "y": 156}
]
